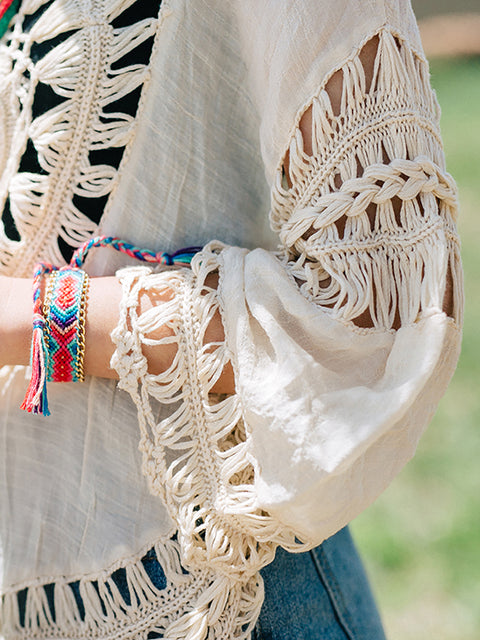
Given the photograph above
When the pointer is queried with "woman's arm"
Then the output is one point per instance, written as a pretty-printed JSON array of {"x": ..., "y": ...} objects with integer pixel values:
[
  {"x": 103, "y": 301},
  {"x": 105, "y": 293}
]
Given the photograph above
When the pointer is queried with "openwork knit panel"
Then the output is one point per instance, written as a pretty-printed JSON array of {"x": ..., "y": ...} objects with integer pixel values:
[
  {"x": 70, "y": 92},
  {"x": 369, "y": 209}
]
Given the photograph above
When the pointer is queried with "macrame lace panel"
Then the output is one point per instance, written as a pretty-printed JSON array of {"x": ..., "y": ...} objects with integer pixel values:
[
  {"x": 361, "y": 224},
  {"x": 137, "y": 599},
  {"x": 71, "y": 79},
  {"x": 382, "y": 149}
]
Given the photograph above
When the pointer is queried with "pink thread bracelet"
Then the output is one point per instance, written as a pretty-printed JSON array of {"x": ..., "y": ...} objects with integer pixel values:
[{"x": 58, "y": 339}]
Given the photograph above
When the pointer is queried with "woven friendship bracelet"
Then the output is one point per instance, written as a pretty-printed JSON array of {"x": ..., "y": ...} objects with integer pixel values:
[
  {"x": 58, "y": 339},
  {"x": 8, "y": 8},
  {"x": 64, "y": 311}
]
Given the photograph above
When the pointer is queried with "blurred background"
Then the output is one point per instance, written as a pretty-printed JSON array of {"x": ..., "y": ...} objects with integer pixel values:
[{"x": 421, "y": 539}]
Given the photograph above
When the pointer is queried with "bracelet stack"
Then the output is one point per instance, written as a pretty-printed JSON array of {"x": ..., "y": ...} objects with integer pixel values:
[{"x": 58, "y": 340}]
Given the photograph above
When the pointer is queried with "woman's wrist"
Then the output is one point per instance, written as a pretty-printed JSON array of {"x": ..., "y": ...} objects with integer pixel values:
[
  {"x": 102, "y": 317},
  {"x": 102, "y": 305},
  {"x": 15, "y": 320},
  {"x": 102, "y": 312},
  {"x": 16, "y": 323}
]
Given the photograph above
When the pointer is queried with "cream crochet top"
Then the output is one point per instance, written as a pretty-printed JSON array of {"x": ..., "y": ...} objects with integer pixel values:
[{"x": 326, "y": 411}]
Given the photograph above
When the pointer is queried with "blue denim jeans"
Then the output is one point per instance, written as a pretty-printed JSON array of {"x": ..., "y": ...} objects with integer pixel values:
[{"x": 319, "y": 595}]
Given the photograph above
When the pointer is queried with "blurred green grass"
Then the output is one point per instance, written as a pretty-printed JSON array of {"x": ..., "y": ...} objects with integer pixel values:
[
  {"x": 421, "y": 539},
  {"x": 425, "y": 8}
]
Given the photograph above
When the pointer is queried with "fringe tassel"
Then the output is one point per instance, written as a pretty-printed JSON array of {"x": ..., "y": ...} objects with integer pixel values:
[
  {"x": 192, "y": 606},
  {"x": 35, "y": 400}
]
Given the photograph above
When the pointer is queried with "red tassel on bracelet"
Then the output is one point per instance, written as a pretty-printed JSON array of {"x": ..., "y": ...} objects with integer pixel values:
[{"x": 35, "y": 400}]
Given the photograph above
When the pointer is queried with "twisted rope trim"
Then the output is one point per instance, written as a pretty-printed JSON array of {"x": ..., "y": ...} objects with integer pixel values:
[{"x": 182, "y": 256}]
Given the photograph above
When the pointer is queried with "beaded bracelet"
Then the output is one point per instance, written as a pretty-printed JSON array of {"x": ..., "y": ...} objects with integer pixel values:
[{"x": 58, "y": 339}]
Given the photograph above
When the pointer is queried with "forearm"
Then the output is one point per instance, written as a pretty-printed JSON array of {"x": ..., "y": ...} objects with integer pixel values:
[
  {"x": 104, "y": 295},
  {"x": 15, "y": 320}
]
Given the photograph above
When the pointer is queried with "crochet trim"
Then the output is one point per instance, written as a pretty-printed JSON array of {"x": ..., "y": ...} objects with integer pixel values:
[
  {"x": 51, "y": 607},
  {"x": 197, "y": 460},
  {"x": 85, "y": 73}
]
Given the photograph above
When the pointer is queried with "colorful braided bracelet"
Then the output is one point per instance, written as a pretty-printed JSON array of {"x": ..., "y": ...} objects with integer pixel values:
[
  {"x": 64, "y": 310},
  {"x": 58, "y": 340},
  {"x": 8, "y": 8}
]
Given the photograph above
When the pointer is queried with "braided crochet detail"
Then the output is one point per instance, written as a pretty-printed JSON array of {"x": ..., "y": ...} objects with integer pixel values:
[
  {"x": 404, "y": 179},
  {"x": 368, "y": 223}
]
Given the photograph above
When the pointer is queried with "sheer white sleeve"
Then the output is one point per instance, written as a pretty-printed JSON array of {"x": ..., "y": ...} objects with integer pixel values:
[{"x": 342, "y": 342}]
